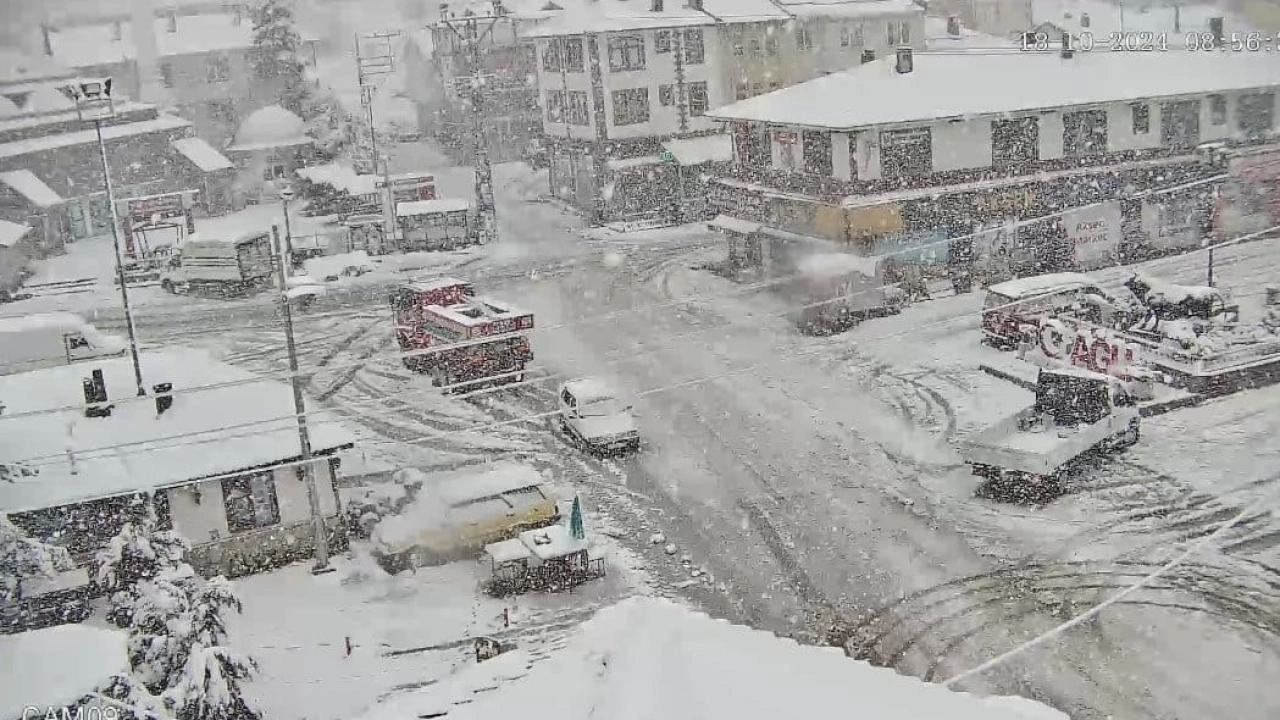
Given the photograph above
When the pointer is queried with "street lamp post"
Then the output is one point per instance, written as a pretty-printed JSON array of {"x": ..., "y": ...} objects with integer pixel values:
[
  {"x": 306, "y": 470},
  {"x": 93, "y": 101},
  {"x": 285, "y": 196}
]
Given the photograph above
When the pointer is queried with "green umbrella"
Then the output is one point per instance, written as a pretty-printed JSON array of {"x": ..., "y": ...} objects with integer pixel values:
[{"x": 575, "y": 521}]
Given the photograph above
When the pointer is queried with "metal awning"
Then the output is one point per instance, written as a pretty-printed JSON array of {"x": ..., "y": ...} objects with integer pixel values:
[
  {"x": 732, "y": 224},
  {"x": 26, "y": 184},
  {"x": 700, "y": 150},
  {"x": 202, "y": 154},
  {"x": 11, "y": 233}
]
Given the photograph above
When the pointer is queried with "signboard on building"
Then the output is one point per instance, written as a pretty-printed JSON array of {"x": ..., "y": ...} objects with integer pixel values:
[
  {"x": 1094, "y": 232},
  {"x": 168, "y": 211},
  {"x": 1174, "y": 222},
  {"x": 411, "y": 188},
  {"x": 1012, "y": 202}
]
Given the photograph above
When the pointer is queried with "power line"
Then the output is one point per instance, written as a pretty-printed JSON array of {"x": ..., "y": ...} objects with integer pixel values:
[
  {"x": 1141, "y": 583},
  {"x": 401, "y": 356}
]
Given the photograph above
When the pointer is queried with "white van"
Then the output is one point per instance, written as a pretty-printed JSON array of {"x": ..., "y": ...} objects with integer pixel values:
[{"x": 31, "y": 342}]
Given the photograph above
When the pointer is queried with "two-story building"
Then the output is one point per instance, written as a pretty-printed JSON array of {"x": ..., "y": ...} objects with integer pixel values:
[
  {"x": 626, "y": 87},
  {"x": 1136, "y": 27},
  {"x": 898, "y": 157},
  {"x": 202, "y": 69}
]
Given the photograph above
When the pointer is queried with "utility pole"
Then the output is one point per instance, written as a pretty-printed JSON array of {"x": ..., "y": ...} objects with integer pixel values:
[
  {"x": 306, "y": 471},
  {"x": 471, "y": 30},
  {"x": 380, "y": 61}
]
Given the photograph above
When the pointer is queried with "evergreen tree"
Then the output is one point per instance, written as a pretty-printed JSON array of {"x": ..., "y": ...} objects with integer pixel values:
[
  {"x": 24, "y": 558},
  {"x": 275, "y": 60},
  {"x": 140, "y": 551}
]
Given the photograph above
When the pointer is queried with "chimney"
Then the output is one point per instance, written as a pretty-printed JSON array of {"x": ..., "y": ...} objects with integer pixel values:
[
  {"x": 1215, "y": 29},
  {"x": 164, "y": 396},
  {"x": 953, "y": 26},
  {"x": 905, "y": 62},
  {"x": 95, "y": 395},
  {"x": 171, "y": 20},
  {"x": 1084, "y": 20},
  {"x": 655, "y": 5},
  {"x": 868, "y": 56},
  {"x": 1067, "y": 52},
  {"x": 45, "y": 30},
  {"x": 117, "y": 31}
]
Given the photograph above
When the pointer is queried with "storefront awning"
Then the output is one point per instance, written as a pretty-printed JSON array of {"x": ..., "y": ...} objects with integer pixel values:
[
  {"x": 202, "y": 154},
  {"x": 26, "y": 184},
  {"x": 700, "y": 150},
  {"x": 732, "y": 224},
  {"x": 11, "y": 233}
]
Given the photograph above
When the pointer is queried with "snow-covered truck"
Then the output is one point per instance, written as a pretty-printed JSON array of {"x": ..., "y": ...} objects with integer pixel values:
[
  {"x": 1076, "y": 412},
  {"x": 460, "y": 339},
  {"x": 592, "y": 414},
  {"x": 223, "y": 267},
  {"x": 31, "y": 342}
]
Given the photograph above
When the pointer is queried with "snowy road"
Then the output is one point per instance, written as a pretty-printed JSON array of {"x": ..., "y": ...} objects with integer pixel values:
[{"x": 813, "y": 478}]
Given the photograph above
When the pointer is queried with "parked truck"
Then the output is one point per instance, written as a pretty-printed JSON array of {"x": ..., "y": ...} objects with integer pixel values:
[
  {"x": 460, "y": 339},
  {"x": 1076, "y": 413},
  {"x": 221, "y": 267},
  {"x": 31, "y": 342}
]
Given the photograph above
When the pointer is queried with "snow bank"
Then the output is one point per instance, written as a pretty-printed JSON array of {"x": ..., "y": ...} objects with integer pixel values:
[
  {"x": 833, "y": 264},
  {"x": 611, "y": 668},
  {"x": 54, "y": 667},
  {"x": 332, "y": 267},
  {"x": 1165, "y": 291}
]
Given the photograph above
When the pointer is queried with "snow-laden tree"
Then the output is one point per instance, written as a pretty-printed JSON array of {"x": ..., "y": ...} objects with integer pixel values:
[
  {"x": 275, "y": 57},
  {"x": 209, "y": 686},
  {"x": 129, "y": 691},
  {"x": 24, "y": 558},
  {"x": 140, "y": 551}
]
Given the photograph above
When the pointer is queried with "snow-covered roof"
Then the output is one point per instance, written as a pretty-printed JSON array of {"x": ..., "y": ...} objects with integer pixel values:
[
  {"x": 632, "y": 162},
  {"x": 972, "y": 84},
  {"x": 837, "y": 263},
  {"x": 11, "y": 233},
  {"x": 1107, "y": 17},
  {"x": 553, "y": 541},
  {"x": 202, "y": 154},
  {"x": 477, "y": 311},
  {"x": 734, "y": 224},
  {"x": 495, "y": 479},
  {"x": 82, "y": 458},
  {"x": 8, "y": 107},
  {"x": 86, "y": 45},
  {"x": 121, "y": 107},
  {"x": 424, "y": 285},
  {"x": 19, "y": 67},
  {"x": 83, "y": 137},
  {"x": 743, "y": 10},
  {"x": 937, "y": 38},
  {"x": 593, "y": 16},
  {"x": 427, "y": 207},
  {"x": 506, "y": 551},
  {"x": 33, "y": 321},
  {"x": 1039, "y": 284},
  {"x": 270, "y": 127},
  {"x": 702, "y": 666},
  {"x": 47, "y": 98},
  {"x": 590, "y": 389},
  {"x": 860, "y": 9},
  {"x": 56, "y": 666},
  {"x": 699, "y": 150},
  {"x": 340, "y": 177}
]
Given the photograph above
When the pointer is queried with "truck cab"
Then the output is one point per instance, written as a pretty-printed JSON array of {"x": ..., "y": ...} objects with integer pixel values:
[
  {"x": 31, "y": 342},
  {"x": 592, "y": 414}
]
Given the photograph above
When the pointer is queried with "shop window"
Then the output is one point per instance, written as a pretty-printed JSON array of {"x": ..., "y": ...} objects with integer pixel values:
[
  {"x": 1084, "y": 133},
  {"x": 1217, "y": 110},
  {"x": 1255, "y": 114},
  {"x": 662, "y": 41},
  {"x": 577, "y": 111},
  {"x": 626, "y": 53},
  {"x": 804, "y": 40},
  {"x": 741, "y": 91},
  {"x": 770, "y": 43},
  {"x": 899, "y": 34},
  {"x": 555, "y": 106},
  {"x": 906, "y": 153},
  {"x": 1015, "y": 141},
  {"x": 1180, "y": 124},
  {"x": 846, "y": 37},
  {"x": 631, "y": 107},
  {"x": 250, "y": 501},
  {"x": 698, "y": 100},
  {"x": 816, "y": 148},
  {"x": 666, "y": 95},
  {"x": 694, "y": 52},
  {"x": 1141, "y": 118}
]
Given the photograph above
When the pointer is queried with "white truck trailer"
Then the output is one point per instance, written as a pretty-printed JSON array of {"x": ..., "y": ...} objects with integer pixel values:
[
  {"x": 1077, "y": 412},
  {"x": 222, "y": 267}
]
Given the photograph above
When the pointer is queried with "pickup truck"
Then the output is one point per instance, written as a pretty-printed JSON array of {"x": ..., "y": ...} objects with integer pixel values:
[{"x": 1076, "y": 412}]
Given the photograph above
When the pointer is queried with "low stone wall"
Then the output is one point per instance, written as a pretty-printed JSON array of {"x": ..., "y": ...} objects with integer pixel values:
[{"x": 248, "y": 553}]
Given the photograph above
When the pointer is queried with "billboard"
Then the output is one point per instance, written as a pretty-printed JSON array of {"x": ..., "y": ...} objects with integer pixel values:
[{"x": 1094, "y": 232}]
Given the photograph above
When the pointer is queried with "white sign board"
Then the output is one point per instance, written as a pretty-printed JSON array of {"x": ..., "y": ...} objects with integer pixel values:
[
  {"x": 1095, "y": 233},
  {"x": 1173, "y": 223}
]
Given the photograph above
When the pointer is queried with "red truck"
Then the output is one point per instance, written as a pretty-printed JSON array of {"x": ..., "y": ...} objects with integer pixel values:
[{"x": 485, "y": 340}]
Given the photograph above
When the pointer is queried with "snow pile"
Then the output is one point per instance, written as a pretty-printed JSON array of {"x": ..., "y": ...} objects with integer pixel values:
[
  {"x": 836, "y": 264},
  {"x": 700, "y": 666},
  {"x": 428, "y": 512},
  {"x": 332, "y": 267},
  {"x": 57, "y": 666},
  {"x": 1164, "y": 292},
  {"x": 46, "y": 98},
  {"x": 270, "y": 127}
]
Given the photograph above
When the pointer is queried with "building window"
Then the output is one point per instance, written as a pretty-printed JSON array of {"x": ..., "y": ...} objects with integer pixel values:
[
  {"x": 630, "y": 107},
  {"x": 751, "y": 145},
  {"x": 555, "y": 106},
  {"x": 1217, "y": 110},
  {"x": 666, "y": 95},
  {"x": 694, "y": 52},
  {"x": 551, "y": 56},
  {"x": 1141, "y": 114},
  {"x": 1015, "y": 141},
  {"x": 1084, "y": 133},
  {"x": 626, "y": 53},
  {"x": 846, "y": 37},
  {"x": 906, "y": 153},
  {"x": 853, "y": 156},
  {"x": 899, "y": 33},
  {"x": 273, "y": 172},
  {"x": 1180, "y": 124},
  {"x": 698, "y": 99},
  {"x": 741, "y": 91},
  {"x": 574, "y": 59},
  {"x": 662, "y": 41},
  {"x": 217, "y": 68},
  {"x": 563, "y": 54},
  {"x": 770, "y": 44},
  {"x": 166, "y": 75},
  {"x": 577, "y": 109},
  {"x": 250, "y": 502},
  {"x": 816, "y": 147},
  {"x": 804, "y": 41},
  {"x": 736, "y": 40},
  {"x": 1255, "y": 114},
  {"x": 223, "y": 111}
]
